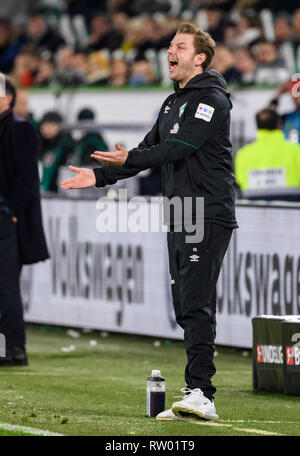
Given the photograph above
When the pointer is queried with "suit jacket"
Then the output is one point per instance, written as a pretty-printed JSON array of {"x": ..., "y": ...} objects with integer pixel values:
[{"x": 20, "y": 185}]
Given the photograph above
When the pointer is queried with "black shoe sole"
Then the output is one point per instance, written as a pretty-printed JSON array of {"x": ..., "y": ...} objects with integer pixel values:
[
  {"x": 13, "y": 363},
  {"x": 6, "y": 363}
]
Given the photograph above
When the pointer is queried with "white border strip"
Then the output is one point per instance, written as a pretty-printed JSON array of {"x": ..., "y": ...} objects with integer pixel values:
[
  {"x": 28, "y": 430},
  {"x": 247, "y": 430}
]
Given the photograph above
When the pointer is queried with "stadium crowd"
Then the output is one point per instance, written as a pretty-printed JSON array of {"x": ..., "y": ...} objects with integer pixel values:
[
  {"x": 75, "y": 43},
  {"x": 120, "y": 42}
]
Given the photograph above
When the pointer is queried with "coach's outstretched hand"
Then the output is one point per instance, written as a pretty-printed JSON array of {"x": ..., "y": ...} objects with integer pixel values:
[
  {"x": 85, "y": 178},
  {"x": 117, "y": 158}
]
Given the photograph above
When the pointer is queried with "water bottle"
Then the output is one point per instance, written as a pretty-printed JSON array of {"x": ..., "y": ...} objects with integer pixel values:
[{"x": 155, "y": 393}]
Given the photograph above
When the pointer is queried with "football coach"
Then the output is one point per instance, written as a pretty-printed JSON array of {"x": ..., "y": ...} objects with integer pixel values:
[
  {"x": 191, "y": 142},
  {"x": 22, "y": 239}
]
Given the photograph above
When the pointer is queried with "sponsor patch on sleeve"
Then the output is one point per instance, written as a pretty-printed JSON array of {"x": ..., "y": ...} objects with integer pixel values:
[{"x": 204, "y": 112}]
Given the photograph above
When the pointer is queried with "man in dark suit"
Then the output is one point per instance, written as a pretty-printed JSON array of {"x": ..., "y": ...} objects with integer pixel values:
[{"x": 22, "y": 239}]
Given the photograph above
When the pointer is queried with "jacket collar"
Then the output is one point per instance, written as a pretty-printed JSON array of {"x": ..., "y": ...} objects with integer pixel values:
[{"x": 270, "y": 135}]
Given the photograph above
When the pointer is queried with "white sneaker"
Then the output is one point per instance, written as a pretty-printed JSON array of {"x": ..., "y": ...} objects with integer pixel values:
[
  {"x": 195, "y": 405},
  {"x": 167, "y": 415}
]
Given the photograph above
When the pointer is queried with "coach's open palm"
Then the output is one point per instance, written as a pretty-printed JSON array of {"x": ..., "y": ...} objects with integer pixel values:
[{"x": 85, "y": 178}]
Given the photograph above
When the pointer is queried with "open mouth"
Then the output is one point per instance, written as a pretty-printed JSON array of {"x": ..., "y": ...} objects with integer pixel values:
[{"x": 172, "y": 64}]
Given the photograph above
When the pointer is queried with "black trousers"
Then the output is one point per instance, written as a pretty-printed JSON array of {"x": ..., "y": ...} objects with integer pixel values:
[
  {"x": 11, "y": 309},
  {"x": 194, "y": 269}
]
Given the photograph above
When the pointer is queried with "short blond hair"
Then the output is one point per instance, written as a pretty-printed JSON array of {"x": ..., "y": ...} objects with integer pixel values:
[{"x": 203, "y": 42}]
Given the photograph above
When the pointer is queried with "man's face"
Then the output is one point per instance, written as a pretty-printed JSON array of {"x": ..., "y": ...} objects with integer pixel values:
[
  {"x": 99, "y": 25},
  {"x": 49, "y": 130},
  {"x": 244, "y": 62},
  {"x": 183, "y": 61},
  {"x": 282, "y": 28},
  {"x": 296, "y": 21},
  {"x": 36, "y": 26},
  {"x": 223, "y": 59},
  {"x": 4, "y": 35},
  {"x": 266, "y": 53}
]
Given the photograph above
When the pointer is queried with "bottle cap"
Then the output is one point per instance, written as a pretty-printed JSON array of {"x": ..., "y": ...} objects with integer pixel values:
[
  {"x": 156, "y": 376},
  {"x": 155, "y": 373}
]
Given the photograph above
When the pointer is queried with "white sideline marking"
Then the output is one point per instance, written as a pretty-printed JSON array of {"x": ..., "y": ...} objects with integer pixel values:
[
  {"x": 260, "y": 421},
  {"x": 254, "y": 431},
  {"x": 27, "y": 429}
]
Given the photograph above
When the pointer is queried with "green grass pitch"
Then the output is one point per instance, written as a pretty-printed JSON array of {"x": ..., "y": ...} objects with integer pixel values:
[{"x": 99, "y": 389}]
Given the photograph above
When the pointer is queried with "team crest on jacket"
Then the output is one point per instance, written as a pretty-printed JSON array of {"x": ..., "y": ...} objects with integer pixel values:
[
  {"x": 175, "y": 129},
  {"x": 48, "y": 159},
  {"x": 204, "y": 112}
]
